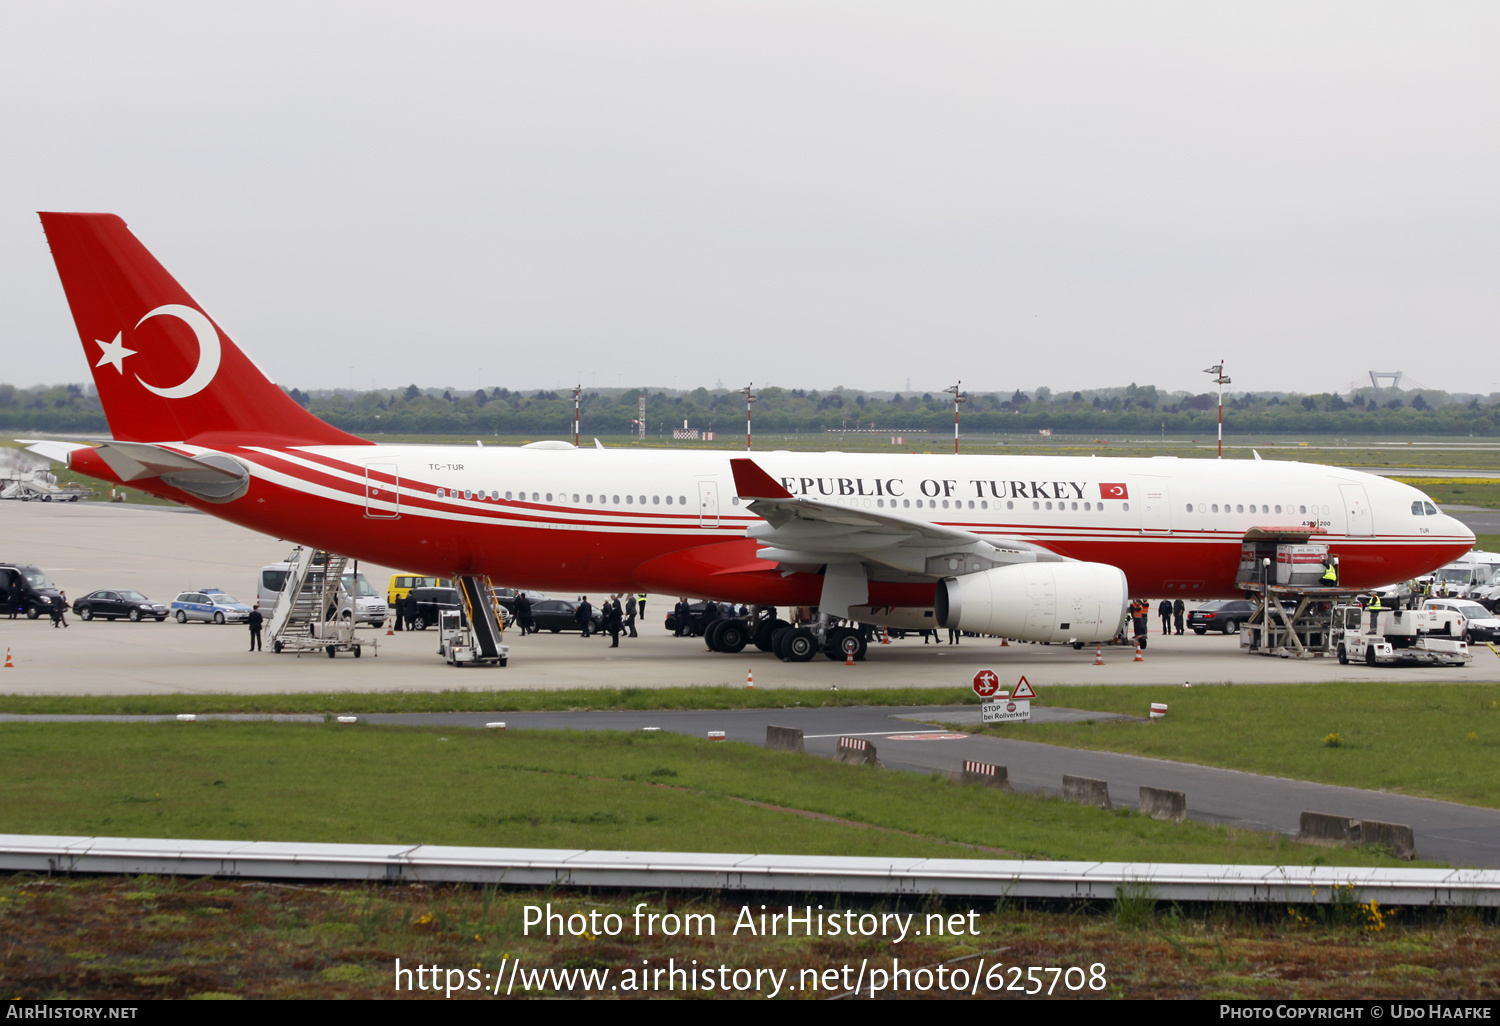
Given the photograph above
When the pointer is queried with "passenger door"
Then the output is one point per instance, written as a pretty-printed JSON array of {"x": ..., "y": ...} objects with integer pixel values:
[
  {"x": 382, "y": 491},
  {"x": 708, "y": 504}
]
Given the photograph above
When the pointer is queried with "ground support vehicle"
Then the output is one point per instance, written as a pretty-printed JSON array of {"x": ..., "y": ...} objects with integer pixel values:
[
  {"x": 473, "y": 637},
  {"x": 1413, "y": 636},
  {"x": 1478, "y": 623},
  {"x": 306, "y": 617}
]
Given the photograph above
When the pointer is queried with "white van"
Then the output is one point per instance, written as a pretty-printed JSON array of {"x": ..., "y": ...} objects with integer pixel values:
[{"x": 357, "y": 598}]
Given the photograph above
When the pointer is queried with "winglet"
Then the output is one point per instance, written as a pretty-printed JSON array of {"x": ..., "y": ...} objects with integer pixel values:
[{"x": 753, "y": 483}]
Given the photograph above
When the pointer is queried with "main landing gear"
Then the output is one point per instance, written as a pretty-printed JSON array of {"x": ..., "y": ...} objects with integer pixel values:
[{"x": 790, "y": 644}]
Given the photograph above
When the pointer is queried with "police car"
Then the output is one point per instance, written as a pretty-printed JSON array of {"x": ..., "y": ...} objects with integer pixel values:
[{"x": 209, "y": 605}]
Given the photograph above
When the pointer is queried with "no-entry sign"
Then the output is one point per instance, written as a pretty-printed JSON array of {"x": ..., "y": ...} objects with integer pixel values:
[{"x": 986, "y": 683}]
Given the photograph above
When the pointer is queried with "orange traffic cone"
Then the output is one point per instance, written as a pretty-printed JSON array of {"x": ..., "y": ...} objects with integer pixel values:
[
  {"x": 1099, "y": 656},
  {"x": 1004, "y": 643},
  {"x": 750, "y": 678},
  {"x": 8, "y": 664},
  {"x": 390, "y": 627},
  {"x": 885, "y": 636},
  {"x": 1138, "y": 656},
  {"x": 848, "y": 658}
]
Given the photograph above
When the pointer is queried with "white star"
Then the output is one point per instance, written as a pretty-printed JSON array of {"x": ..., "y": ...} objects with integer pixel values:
[{"x": 114, "y": 353}]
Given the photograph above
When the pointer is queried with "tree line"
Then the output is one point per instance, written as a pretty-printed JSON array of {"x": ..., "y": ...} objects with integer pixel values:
[{"x": 1134, "y": 409}]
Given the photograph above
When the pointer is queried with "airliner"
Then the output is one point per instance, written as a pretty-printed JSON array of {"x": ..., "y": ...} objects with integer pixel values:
[{"x": 1038, "y": 548}]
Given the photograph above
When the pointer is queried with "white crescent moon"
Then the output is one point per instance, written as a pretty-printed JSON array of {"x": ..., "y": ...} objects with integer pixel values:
[{"x": 208, "y": 351}]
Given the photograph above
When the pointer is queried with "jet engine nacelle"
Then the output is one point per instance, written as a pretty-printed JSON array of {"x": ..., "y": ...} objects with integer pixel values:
[{"x": 1083, "y": 602}]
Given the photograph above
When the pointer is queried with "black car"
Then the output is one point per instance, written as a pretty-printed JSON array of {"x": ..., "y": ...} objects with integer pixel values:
[
  {"x": 111, "y": 605},
  {"x": 430, "y": 603},
  {"x": 556, "y": 616},
  {"x": 33, "y": 593},
  {"x": 1225, "y": 615}
]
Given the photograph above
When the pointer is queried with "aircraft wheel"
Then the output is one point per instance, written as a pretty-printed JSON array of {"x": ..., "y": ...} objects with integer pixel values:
[
  {"x": 711, "y": 635},
  {"x": 181, "y": 616},
  {"x": 135, "y": 616},
  {"x": 1077, "y": 645},
  {"x": 1343, "y": 656},
  {"x": 733, "y": 637},
  {"x": 778, "y": 643},
  {"x": 846, "y": 642},
  {"x": 86, "y": 613},
  {"x": 800, "y": 645},
  {"x": 764, "y": 631},
  {"x": 1370, "y": 656}
]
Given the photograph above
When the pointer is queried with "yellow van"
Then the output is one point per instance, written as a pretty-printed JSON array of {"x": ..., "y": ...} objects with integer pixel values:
[{"x": 403, "y": 583}]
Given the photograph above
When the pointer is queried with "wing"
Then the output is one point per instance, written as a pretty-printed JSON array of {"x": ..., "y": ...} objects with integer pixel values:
[{"x": 807, "y": 531}]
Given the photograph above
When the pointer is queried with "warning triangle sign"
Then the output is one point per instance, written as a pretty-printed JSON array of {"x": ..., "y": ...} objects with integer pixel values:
[{"x": 1023, "y": 689}]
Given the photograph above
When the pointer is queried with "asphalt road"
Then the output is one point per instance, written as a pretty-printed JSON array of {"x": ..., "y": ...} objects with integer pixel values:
[
  {"x": 1480, "y": 521},
  {"x": 1446, "y": 831}
]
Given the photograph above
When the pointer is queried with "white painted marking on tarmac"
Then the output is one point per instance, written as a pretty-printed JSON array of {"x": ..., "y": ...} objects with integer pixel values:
[{"x": 876, "y": 733}]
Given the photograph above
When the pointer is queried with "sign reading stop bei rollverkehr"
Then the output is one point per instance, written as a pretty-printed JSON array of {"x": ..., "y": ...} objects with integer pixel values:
[{"x": 1007, "y": 709}]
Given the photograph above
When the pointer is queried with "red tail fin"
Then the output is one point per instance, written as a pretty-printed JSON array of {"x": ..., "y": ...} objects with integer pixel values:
[{"x": 164, "y": 370}]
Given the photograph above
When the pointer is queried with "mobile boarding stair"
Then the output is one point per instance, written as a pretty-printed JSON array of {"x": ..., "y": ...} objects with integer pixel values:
[
  {"x": 306, "y": 617},
  {"x": 476, "y": 638}
]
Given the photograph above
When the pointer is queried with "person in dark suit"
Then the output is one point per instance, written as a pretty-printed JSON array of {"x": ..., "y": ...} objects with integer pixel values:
[
  {"x": 1165, "y": 612},
  {"x": 523, "y": 614},
  {"x": 255, "y": 621},
  {"x": 613, "y": 622},
  {"x": 400, "y": 613},
  {"x": 584, "y": 614},
  {"x": 1179, "y": 610},
  {"x": 630, "y": 611}
]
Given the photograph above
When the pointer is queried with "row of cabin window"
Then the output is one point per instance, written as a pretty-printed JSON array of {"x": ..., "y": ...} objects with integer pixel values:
[
  {"x": 1239, "y": 507},
  {"x": 561, "y": 497}
]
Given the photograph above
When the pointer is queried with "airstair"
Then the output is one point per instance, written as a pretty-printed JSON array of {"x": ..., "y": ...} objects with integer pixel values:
[
  {"x": 307, "y": 614},
  {"x": 478, "y": 641}
]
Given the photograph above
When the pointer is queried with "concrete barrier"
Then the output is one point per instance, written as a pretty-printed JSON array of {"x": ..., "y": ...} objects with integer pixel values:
[
  {"x": 857, "y": 751},
  {"x": 986, "y": 773},
  {"x": 1086, "y": 791},
  {"x": 1159, "y": 803},
  {"x": 1321, "y": 826},
  {"x": 785, "y": 739},
  {"x": 1398, "y": 837}
]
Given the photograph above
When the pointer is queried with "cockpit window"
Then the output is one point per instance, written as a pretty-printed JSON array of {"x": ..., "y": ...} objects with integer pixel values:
[
  {"x": 1431, "y": 509},
  {"x": 1417, "y": 510}
]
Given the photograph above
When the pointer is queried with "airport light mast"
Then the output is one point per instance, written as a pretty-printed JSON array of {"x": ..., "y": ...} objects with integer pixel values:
[
  {"x": 750, "y": 397},
  {"x": 958, "y": 397},
  {"x": 1217, "y": 370},
  {"x": 577, "y": 396}
]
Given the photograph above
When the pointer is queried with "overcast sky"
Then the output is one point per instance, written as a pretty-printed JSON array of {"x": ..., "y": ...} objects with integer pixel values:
[{"x": 669, "y": 193}]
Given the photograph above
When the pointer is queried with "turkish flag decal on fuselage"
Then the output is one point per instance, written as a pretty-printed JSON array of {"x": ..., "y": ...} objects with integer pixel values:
[{"x": 1113, "y": 491}]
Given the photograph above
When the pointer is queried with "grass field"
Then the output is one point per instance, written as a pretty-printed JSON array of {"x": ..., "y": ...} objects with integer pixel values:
[
  {"x": 574, "y": 699},
  {"x": 1431, "y": 740},
  {"x": 140, "y": 938},
  {"x": 556, "y": 789}
]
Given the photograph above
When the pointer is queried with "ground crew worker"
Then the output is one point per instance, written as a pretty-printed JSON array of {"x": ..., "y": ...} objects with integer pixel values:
[
  {"x": 1330, "y": 572},
  {"x": 255, "y": 621},
  {"x": 1374, "y": 609},
  {"x": 640, "y": 602}
]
